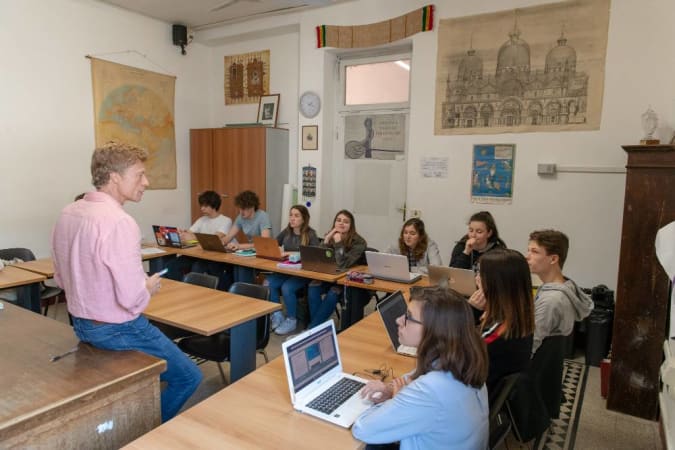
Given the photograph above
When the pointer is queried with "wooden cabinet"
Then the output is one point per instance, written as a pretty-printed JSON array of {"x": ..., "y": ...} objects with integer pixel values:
[
  {"x": 231, "y": 160},
  {"x": 642, "y": 291}
]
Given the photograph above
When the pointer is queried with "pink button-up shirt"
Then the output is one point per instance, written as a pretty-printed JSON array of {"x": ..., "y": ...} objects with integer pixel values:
[{"x": 96, "y": 247}]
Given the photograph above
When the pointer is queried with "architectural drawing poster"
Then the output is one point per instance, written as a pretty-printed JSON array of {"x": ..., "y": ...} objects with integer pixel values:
[{"x": 492, "y": 173}]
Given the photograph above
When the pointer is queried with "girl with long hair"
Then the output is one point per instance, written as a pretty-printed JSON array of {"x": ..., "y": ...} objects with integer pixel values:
[
  {"x": 414, "y": 242},
  {"x": 482, "y": 237}
]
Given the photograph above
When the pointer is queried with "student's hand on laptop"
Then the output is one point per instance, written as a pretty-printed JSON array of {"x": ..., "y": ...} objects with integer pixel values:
[
  {"x": 185, "y": 235},
  {"x": 477, "y": 300},
  {"x": 233, "y": 246},
  {"x": 376, "y": 391}
]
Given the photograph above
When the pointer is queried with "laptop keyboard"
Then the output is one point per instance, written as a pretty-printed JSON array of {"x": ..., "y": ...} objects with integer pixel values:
[{"x": 336, "y": 395}]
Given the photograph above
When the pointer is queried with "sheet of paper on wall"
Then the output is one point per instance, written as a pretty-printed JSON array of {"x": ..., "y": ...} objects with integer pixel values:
[
  {"x": 434, "y": 167},
  {"x": 665, "y": 252}
]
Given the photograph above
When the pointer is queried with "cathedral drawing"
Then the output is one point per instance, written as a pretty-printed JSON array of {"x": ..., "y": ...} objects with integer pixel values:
[{"x": 517, "y": 93}]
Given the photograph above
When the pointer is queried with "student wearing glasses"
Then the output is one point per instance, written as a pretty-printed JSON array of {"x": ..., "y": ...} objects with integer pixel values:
[
  {"x": 507, "y": 321},
  {"x": 482, "y": 237},
  {"x": 414, "y": 242},
  {"x": 443, "y": 403}
]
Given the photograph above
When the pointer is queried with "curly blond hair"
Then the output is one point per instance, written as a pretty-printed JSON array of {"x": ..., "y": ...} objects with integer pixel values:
[{"x": 114, "y": 157}]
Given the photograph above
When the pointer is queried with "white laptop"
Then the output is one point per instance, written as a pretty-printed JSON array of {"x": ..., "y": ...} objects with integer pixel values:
[
  {"x": 390, "y": 309},
  {"x": 314, "y": 368},
  {"x": 387, "y": 266},
  {"x": 461, "y": 280}
]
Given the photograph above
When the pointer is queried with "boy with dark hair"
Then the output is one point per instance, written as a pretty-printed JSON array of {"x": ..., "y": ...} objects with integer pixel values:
[{"x": 559, "y": 302}]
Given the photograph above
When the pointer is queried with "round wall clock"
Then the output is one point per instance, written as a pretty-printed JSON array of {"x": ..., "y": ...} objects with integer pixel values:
[{"x": 310, "y": 104}]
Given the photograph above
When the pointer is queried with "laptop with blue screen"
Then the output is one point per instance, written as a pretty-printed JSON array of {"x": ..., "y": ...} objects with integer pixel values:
[{"x": 316, "y": 381}]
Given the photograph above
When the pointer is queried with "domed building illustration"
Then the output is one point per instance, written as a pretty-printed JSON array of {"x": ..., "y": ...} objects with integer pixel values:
[{"x": 517, "y": 93}]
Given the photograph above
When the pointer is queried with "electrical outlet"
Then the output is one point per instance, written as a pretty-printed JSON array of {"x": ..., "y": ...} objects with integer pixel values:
[{"x": 546, "y": 169}]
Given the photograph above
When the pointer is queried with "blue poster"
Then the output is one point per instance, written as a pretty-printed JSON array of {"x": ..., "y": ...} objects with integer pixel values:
[{"x": 492, "y": 173}]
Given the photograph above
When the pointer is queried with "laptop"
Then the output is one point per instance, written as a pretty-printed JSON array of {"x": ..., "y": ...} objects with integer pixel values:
[
  {"x": 390, "y": 267},
  {"x": 390, "y": 309},
  {"x": 268, "y": 248},
  {"x": 461, "y": 280},
  {"x": 319, "y": 259},
  {"x": 212, "y": 242},
  {"x": 170, "y": 237},
  {"x": 316, "y": 381}
]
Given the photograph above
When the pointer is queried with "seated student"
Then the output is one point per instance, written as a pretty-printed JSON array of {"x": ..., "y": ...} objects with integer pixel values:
[
  {"x": 559, "y": 301},
  {"x": 297, "y": 233},
  {"x": 481, "y": 238},
  {"x": 349, "y": 248},
  {"x": 508, "y": 321},
  {"x": 211, "y": 222},
  {"x": 253, "y": 222},
  {"x": 417, "y": 246},
  {"x": 443, "y": 403}
]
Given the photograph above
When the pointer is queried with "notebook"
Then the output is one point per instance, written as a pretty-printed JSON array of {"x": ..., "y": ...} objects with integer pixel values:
[
  {"x": 461, "y": 280},
  {"x": 319, "y": 259},
  {"x": 316, "y": 381},
  {"x": 268, "y": 248},
  {"x": 211, "y": 242},
  {"x": 390, "y": 309},
  {"x": 170, "y": 237},
  {"x": 387, "y": 266}
]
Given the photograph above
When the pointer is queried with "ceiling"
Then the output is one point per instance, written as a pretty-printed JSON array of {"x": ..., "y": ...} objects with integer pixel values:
[{"x": 200, "y": 14}]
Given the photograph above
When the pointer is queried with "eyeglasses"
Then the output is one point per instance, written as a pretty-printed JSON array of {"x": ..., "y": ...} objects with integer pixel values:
[{"x": 408, "y": 318}]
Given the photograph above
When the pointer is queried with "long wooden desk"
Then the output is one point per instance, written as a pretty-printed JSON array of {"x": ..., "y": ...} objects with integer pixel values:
[
  {"x": 383, "y": 285},
  {"x": 89, "y": 399},
  {"x": 27, "y": 284},
  {"x": 208, "y": 311},
  {"x": 256, "y": 412},
  {"x": 43, "y": 266}
]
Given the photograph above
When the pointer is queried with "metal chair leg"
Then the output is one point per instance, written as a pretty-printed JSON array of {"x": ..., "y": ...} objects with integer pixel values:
[{"x": 222, "y": 374}]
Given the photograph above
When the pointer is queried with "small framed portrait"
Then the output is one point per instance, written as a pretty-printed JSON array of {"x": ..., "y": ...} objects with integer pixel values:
[
  {"x": 310, "y": 137},
  {"x": 268, "y": 110}
]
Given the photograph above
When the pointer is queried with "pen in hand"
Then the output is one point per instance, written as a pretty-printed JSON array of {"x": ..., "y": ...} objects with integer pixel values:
[{"x": 57, "y": 357}]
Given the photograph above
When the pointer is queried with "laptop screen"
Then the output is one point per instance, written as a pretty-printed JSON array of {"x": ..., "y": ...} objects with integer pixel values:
[
  {"x": 167, "y": 236},
  {"x": 391, "y": 308},
  {"x": 312, "y": 357}
]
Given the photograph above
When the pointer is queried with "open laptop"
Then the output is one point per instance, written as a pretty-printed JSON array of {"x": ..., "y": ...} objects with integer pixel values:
[
  {"x": 212, "y": 242},
  {"x": 315, "y": 377},
  {"x": 170, "y": 237},
  {"x": 319, "y": 259},
  {"x": 461, "y": 280},
  {"x": 387, "y": 266},
  {"x": 390, "y": 309},
  {"x": 268, "y": 248}
]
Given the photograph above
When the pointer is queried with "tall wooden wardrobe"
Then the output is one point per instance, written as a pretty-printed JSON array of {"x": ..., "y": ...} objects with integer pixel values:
[{"x": 231, "y": 160}]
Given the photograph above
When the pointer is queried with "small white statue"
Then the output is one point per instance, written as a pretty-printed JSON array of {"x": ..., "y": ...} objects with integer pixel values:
[{"x": 649, "y": 123}]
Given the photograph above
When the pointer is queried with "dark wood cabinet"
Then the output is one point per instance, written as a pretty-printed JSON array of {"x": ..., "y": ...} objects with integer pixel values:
[
  {"x": 231, "y": 160},
  {"x": 642, "y": 300}
]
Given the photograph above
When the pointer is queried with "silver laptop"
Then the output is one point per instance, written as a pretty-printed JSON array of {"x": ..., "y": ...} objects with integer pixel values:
[
  {"x": 390, "y": 309},
  {"x": 387, "y": 266},
  {"x": 316, "y": 381},
  {"x": 461, "y": 280}
]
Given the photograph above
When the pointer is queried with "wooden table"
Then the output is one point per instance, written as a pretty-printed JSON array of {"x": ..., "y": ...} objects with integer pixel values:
[
  {"x": 157, "y": 260},
  {"x": 256, "y": 412},
  {"x": 27, "y": 284},
  {"x": 208, "y": 311},
  {"x": 89, "y": 399},
  {"x": 43, "y": 266},
  {"x": 383, "y": 285}
]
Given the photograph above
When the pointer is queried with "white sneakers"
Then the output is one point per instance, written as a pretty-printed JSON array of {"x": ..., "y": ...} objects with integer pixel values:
[
  {"x": 287, "y": 326},
  {"x": 277, "y": 318}
]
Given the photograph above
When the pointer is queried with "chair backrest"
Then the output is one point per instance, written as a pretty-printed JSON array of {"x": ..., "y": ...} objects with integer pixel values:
[
  {"x": 263, "y": 323},
  {"x": 500, "y": 425},
  {"x": 201, "y": 279},
  {"x": 547, "y": 371},
  {"x": 362, "y": 260},
  {"x": 23, "y": 254}
]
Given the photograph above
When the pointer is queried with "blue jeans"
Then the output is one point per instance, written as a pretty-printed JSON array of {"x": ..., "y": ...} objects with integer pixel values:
[
  {"x": 320, "y": 310},
  {"x": 214, "y": 268},
  {"x": 244, "y": 274},
  {"x": 181, "y": 375},
  {"x": 289, "y": 286}
]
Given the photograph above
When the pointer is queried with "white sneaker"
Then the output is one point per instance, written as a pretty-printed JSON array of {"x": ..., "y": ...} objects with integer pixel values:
[
  {"x": 287, "y": 326},
  {"x": 277, "y": 319}
]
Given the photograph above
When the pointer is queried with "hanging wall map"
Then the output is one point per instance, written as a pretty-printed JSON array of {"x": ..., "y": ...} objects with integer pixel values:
[{"x": 136, "y": 106}]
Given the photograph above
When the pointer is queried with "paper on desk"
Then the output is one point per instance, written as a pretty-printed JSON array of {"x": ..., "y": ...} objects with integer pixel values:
[
  {"x": 151, "y": 251},
  {"x": 665, "y": 252}
]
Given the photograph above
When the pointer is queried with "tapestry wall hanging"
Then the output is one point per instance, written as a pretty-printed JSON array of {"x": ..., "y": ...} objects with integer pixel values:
[
  {"x": 137, "y": 107},
  {"x": 492, "y": 173},
  {"x": 532, "y": 69},
  {"x": 247, "y": 77},
  {"x": 359, "y": 36}
]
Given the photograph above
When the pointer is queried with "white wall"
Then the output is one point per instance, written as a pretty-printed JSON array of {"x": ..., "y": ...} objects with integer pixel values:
[{"x": 46, "y": 109}]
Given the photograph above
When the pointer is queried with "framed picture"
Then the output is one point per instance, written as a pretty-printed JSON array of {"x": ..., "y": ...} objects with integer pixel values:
[
  {"x": 268, "y": 110},
  {"x": 310, "y": 137}
]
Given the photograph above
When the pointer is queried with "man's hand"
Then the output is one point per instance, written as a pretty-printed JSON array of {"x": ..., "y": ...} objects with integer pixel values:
[{"x": 153, "y": 283}]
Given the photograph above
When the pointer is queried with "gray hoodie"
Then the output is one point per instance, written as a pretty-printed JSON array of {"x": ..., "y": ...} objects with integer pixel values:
[{"x": 556, "y": 307}]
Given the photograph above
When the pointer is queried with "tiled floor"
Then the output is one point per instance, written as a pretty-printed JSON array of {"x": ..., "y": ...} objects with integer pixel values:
[{"x": 598, "y": 427}]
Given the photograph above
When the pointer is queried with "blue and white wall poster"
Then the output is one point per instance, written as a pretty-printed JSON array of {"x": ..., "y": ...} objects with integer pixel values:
[{"x": 492, "y": 173}]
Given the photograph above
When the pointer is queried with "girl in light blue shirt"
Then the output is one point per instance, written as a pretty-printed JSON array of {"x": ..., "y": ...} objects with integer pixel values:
[{"x": 443, "y": 403}]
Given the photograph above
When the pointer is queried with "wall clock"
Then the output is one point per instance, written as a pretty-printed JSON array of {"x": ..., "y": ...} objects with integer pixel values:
[{"x": 310, "y": 104}]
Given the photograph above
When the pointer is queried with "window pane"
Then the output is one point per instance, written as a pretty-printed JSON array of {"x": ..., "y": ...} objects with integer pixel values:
[{"x": 386, "y": 82}]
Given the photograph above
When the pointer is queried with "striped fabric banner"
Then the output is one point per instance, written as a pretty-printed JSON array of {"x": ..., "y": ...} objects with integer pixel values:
[{"x": 359, "y": 36}]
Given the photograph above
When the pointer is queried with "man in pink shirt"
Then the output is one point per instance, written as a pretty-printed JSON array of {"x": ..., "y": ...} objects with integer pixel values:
[{"x": 97, "y": 259}]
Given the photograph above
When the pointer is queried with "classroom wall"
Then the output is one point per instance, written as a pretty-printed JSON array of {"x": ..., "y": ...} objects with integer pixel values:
[{"x": 46, "y": 109}]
